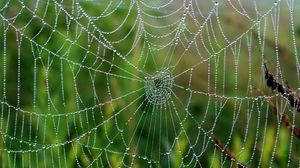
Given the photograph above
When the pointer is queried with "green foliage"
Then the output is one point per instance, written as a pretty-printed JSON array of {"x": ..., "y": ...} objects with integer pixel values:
[{"x": 70, "y": 99}]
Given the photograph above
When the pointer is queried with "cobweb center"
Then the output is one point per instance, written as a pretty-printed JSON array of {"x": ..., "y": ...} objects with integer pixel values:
[{"x": 158, "y": 87}]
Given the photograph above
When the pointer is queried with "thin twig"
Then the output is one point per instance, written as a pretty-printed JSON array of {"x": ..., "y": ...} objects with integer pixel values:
[
  {"x": 284, "y": 91},
  {"x": 230, "y": 155},
  {"x": 284, "y": 118}
]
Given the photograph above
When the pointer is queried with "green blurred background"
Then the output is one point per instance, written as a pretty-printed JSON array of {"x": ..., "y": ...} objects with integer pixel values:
[{"x": 73, "y": 77}]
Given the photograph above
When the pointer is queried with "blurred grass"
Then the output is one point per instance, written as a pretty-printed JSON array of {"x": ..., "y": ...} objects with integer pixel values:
[{"x": 78, "y": 92}]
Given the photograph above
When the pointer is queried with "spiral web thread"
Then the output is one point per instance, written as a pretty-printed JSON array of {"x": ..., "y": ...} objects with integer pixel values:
[
  {"x": 146, "y": 83},
  {"x": 158, "y": 87}
]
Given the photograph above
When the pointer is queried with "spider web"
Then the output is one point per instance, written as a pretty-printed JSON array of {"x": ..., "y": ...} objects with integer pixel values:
[{"x": 147, "y": 84}]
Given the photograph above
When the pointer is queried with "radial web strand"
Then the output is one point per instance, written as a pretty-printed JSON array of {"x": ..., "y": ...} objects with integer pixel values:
[{"x": 179, "y": 83}]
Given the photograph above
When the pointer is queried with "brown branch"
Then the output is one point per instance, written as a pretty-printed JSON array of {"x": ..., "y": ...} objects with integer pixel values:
[
  {"x": 284, "y": 118},
  {"x": 230, "y": 155},
  {"x": 286, "y": 92}
]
